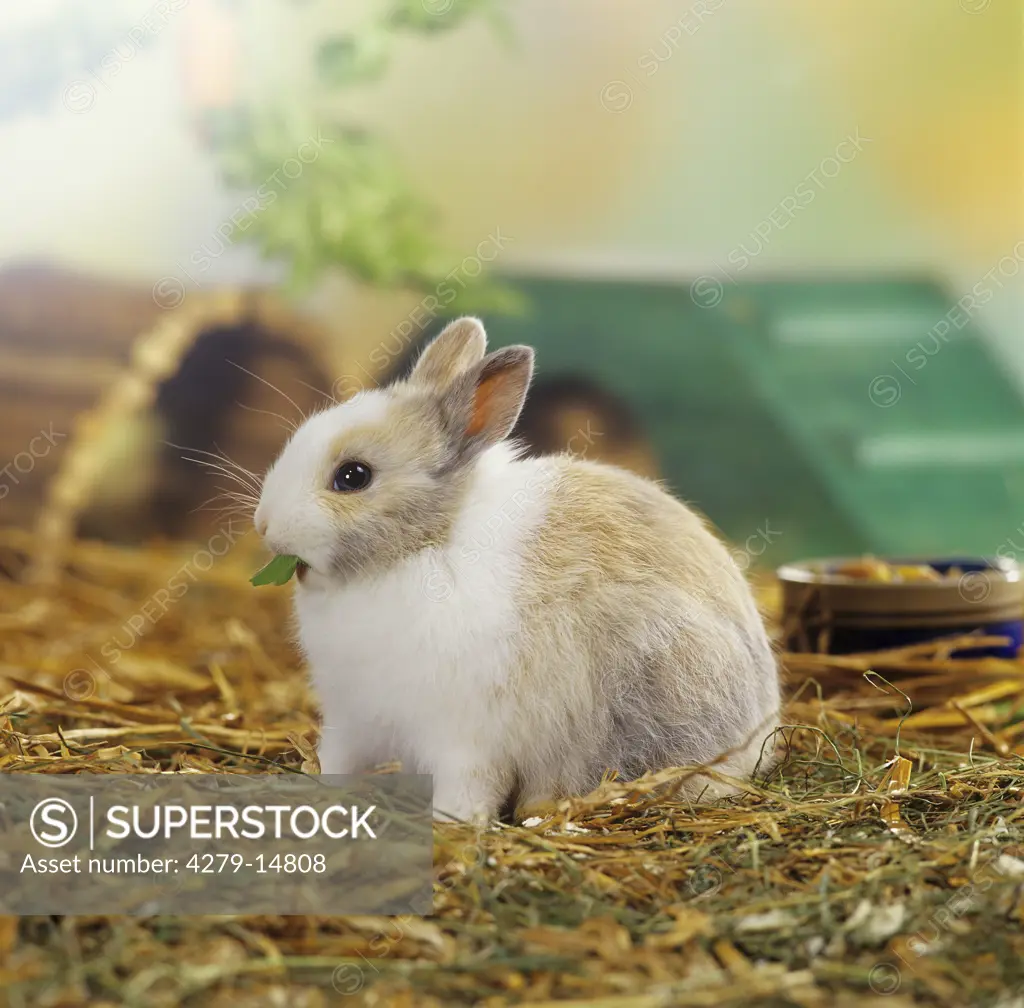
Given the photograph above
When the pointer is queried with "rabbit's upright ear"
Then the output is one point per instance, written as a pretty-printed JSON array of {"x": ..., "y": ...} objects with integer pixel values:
[
  {"x": 482, "y": 406},
  {"x": 461, "y": 345}
]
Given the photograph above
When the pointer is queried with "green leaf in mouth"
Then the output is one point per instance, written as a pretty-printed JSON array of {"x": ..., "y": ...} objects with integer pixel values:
[{"x": 278, "y": 572}]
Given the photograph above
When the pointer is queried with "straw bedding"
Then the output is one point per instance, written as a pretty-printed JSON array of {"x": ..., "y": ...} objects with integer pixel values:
[{"x": 882, "y": 861}]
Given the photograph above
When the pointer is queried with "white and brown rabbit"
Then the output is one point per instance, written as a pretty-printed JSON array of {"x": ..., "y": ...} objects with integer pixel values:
[{"x": 513, "y": 626}]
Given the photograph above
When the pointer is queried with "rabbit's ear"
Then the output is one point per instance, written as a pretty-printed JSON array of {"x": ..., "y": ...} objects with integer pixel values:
[
  {"x": 483, "y": 405},
  {"x": 461, "y": 345}
]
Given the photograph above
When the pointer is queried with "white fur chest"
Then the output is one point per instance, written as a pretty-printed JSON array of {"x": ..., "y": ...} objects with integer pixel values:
[{"x": 410, "y": 664}]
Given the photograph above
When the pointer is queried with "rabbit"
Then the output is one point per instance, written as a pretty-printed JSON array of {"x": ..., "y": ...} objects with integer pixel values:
[{"x": 515, "y": 627}]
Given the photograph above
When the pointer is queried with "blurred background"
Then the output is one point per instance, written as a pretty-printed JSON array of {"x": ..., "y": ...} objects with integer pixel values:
[{"x": 770, "y": 252}]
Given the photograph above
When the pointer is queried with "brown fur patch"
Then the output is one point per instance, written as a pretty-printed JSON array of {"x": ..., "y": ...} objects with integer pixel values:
[
  {"x": 606, "y": 523},
  {"x": 641, "y": 632}
]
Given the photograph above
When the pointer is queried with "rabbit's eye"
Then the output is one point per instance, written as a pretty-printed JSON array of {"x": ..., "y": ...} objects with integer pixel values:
[{"x": 352, "y": 476}]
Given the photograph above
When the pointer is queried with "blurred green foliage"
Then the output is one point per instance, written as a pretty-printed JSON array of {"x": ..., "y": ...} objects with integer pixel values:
[{"x": 352, "y": 207}]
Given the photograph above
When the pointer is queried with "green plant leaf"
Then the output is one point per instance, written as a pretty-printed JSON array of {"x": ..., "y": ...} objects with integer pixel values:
[
  {"x": 431, "y": 16},
  {"x": 350, "y": 59},
  {"x": 278, "y": 572},
  {"x": 324, "y": 193}
]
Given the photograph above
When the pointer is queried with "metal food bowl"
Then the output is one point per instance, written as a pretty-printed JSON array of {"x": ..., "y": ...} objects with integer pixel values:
[{"x": 831, "y": 612}]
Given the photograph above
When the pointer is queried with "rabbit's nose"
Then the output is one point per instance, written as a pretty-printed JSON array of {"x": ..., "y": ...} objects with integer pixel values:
[{"x": 261, "y": 527}]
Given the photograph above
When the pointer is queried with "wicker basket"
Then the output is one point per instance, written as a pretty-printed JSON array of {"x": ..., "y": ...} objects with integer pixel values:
[{"x": 95, "y": 377}]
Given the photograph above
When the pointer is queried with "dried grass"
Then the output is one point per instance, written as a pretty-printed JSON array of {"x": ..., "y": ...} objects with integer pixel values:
[{"x": 882, "y": 860}]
